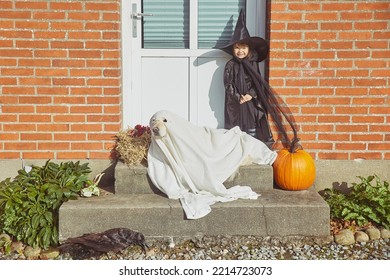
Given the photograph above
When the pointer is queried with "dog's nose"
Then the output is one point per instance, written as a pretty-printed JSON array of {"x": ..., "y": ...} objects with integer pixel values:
[{"x": 155, "y": 130}]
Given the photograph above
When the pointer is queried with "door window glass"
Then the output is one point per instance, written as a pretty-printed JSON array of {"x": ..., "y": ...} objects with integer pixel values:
[
  {"x": 216, "y": 21},
  {"x": 168, "y": 27}
]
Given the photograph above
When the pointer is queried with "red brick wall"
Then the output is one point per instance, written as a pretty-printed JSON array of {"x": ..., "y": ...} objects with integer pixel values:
[
  {"x": 60, "y": 78},
  {"x": 330, "y": 60}
]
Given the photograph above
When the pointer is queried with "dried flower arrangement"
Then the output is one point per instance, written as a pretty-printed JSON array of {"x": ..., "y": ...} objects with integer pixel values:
[{"x": 132, "y": 145}]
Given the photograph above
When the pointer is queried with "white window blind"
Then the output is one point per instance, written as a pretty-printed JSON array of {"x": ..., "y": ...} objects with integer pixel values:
[
  {"x": 169, "y": 27},
  {"x": 216, "y": 21}
]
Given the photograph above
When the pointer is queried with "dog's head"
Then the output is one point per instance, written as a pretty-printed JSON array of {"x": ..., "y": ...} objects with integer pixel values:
[
  {"x": 157, "y": 126},
  {"x": 165, "y": 122}
]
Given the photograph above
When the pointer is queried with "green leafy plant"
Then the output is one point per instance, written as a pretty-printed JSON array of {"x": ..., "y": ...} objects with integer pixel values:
[
  {"x": 29, "y": 203},
  {"x": 5, "y": 242},
  {"x": 367, "y": 202}
]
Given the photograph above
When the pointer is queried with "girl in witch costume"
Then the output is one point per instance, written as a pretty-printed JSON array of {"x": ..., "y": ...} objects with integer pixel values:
[{"x": 248, "y": 97}]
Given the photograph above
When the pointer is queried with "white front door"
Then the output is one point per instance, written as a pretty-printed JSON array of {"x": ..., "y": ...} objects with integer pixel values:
[{"x": 169, "y": 57}]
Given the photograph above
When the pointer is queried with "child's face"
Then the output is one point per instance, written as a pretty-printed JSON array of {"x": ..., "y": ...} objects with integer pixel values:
[{"x": 240, "y": 50}]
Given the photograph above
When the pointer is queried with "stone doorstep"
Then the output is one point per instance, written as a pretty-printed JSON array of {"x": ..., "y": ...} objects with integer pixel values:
[
  {"x": 135, "y": 180},
  {"x": 274, "y": 213}
]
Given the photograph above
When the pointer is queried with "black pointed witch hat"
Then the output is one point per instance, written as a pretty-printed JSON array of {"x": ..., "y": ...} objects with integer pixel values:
[{"x": 241, "y": 35}]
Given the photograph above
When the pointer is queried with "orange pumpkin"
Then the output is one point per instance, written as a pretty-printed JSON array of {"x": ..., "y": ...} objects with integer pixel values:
[{"x": 294, "y": 169}]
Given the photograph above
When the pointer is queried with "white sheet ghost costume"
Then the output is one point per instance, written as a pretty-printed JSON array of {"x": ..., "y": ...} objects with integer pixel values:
[{"x": 191, "y": 163}]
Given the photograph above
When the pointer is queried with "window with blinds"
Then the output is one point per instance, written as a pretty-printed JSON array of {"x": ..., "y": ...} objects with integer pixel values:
[
  {"x": 169, "y": 26},
  {"x": 216, "y": 21}
]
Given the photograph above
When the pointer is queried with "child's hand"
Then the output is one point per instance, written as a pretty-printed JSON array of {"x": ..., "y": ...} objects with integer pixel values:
[{"x": 245, "y": 98}]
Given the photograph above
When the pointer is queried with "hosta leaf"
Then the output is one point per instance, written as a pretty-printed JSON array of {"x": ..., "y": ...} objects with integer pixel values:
[
  {"x": 66, "y": 192},
  {"x": 9, "y": 204},
  {"x": 370, "y": 178},
  {"x": 367, "y": 210},
  {"x": 49, "y": 217},
  {"x": 31, "y": 238},
  {"x": 345, "y": 212},
  {"x": 28, "y": 232},
  {"x": 17, "y": 199},
  {"x": 42, "y": 221},
  {"x": 54, "y": 238},
  {"x": 351, "y": 216},
  {"x": 46, "y": 236},
  {"x": 35, "y": 221},
  {"x": 374, "y": 218},
  {"x": 32, "y": 195}
]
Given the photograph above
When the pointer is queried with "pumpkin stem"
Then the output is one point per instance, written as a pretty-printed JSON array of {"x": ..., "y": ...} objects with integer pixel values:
[{"x": 295, "y": 145}]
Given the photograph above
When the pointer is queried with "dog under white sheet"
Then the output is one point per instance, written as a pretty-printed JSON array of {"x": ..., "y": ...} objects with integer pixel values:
[{"x": 191, "y": 163}]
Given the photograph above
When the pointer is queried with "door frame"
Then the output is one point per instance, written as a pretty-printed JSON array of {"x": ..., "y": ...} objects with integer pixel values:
[{"x": 256, "y": 13}]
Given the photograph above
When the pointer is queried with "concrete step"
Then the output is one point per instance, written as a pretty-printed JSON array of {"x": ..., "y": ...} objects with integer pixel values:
[
  {"x": 275, "y": 213},
  {"x": 135, "y": 180}
]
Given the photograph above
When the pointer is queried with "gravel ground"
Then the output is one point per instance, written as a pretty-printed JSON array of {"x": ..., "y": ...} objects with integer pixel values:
[
  {"x": 245, "y": 248},
  {"x": 254, "y": 248}
]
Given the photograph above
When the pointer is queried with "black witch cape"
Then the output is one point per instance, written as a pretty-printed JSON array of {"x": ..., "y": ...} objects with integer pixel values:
[{"x": 267, "y": 101}]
